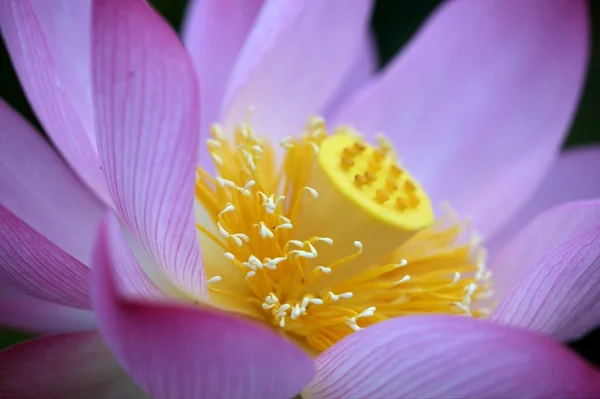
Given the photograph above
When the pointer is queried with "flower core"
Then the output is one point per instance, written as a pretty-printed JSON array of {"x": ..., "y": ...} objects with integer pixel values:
[{"x": 332, "y": 238}]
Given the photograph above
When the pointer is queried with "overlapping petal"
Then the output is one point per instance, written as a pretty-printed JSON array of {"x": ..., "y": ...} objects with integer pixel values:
[
  {"x": 132, "y": 279},
  {"x": 39, "y": 188},
  {"x": 32, "y": 263},
  {"x": 360, "y": 73},
  {"x": 27, "y": 313},
  {"x": 146, "y": 105},
  {"x": 76, "y": 365},
  {"x": 545, "y": 232},
  {"x": 49, "y": 44},
  {"x": 293, "y": 62},
  {"x": 479, "y": 102},
  {"x": 214, "y": 32},
  {"x": 186, "y": 352},
  {"x": 573, "y": 177},
  {"x": 559, "y": 295},
  {"x": 450, "y": 357}
]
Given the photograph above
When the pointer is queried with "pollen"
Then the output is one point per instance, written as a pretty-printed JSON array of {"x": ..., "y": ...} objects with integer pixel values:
[{"x": 331, "y": 237}]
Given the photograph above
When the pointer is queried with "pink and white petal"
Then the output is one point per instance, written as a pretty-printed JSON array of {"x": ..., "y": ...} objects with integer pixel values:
[
  {"x": 293, "y": 62},
  {"x": 479, "y": 102},
  {"x": 33, "y": 264},
  {"x": 40, "y": 189},
  {"x": 192, "y": 352},
  {"x": 359, "y": 74},
  {"x": 132, "y": 280},
  {"x": 559, "y": 295},
  {"x": 573, "y": 177},
  {"x": 547, "y": 231},
  {"x": 450, "y": 357},
  {"x": 75, "y": 365},
  {"x": 146, "y": 104},
  {"x": 214, "y": 32},
  {"x": 24, "y": 312},
  {"x": 49, "y": 46}
]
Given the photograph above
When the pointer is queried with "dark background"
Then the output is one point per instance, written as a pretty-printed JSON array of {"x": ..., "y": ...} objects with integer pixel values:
[{"x": 394, "y": 21}]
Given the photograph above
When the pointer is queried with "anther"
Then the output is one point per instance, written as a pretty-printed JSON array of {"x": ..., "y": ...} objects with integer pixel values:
[
  {"x": 324, "y": 269},
  {"x": 214, "y": 279},
  {"x": 455, "y": 279},
  {"x": 312, "y": 191}
]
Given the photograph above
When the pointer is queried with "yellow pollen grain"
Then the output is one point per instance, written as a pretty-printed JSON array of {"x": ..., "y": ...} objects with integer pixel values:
[{"x": 333, "y": 238}]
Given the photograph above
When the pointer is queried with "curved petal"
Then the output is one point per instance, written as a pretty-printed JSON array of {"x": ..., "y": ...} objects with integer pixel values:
[
  {"x": 49, "y": 46},
  {"x": 131, "y": 277},
  {"x": 38, "y": 188},
  {"x": 38, "y": 267},
  {"x": 559, "y": 295},
  {"x": 362, "y": 70},
  {"x": 573, "y": 177},
  {"x": 146, "y": 103},
  {"x": 214, "y": 31},
  {"x": 450, "y": 357},
  {"x": 186, "y": 352},
  {"x": 27, "y": 313},
  {"x": 76, "y": 365},
  {"x": 479, "y": 102},
  {"x": 292, "y": 63},
  {"x": 545, "y": 232}
]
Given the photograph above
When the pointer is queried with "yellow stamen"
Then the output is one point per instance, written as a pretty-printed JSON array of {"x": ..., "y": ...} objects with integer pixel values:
[{"x": 337, "y": 238}]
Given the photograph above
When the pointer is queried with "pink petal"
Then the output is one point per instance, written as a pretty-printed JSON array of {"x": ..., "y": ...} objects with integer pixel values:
[
  {"x": 49, "y": 46},
  {"x": 545, "y": 232},
  {"x": 26, "y": 313},
  {"x": 192, "y": 352},
  {"x": 38, "y": 188},
  {"x": 131, "y": 278},
  {"x": 76, "y": 365},
  {"x": 145, "y": 96},
  {"x": 479, "y": 102},
  {"x": 574, "y": 176},
  {"x": 293, "y": 62},
  {"x": 35, "y": 265},
  {"x": 559, "y": 295},
  {"x": 214, "y": 31},
  {"x": 450, "y": 357},
  {"x": 363, "y": 70}
]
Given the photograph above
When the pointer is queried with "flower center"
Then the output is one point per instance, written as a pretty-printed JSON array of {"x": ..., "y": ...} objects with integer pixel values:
[{"x": 331, "y": 238}]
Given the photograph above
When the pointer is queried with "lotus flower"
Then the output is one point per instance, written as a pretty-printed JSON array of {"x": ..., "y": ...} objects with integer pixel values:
[{"x": 328, "y": 268}]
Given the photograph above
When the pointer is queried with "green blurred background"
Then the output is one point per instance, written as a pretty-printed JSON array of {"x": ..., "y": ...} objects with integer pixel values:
[{"x": 394, "y": 22}]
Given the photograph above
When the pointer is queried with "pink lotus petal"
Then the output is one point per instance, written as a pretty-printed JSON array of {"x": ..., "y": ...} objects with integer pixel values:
[
  {"x": 38, "y": 188},
  {"x": 132, "y": 280},
  {"x": 76, "y": 365},
  {"x": 49, "y": 47},
  {"x": 145, "y": 94},
  {"x": 293, "y": 62},
  {"x": 545, "y": 232},
  {"x": 193, "y": 352},
  {"x": 573, "y": 177},
  {"x": 26, "y": 313},
  {"x": 214, "y": 31},
  {"x": 479, "y": 102},
  {"x": 559, "y": 295},
  {"x": 38, "y": 267},
  {"x": 359, "y": 74},
  {"x": 450, "y": 357}
]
